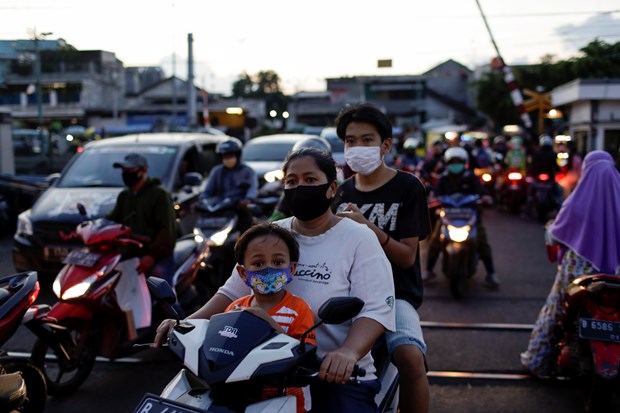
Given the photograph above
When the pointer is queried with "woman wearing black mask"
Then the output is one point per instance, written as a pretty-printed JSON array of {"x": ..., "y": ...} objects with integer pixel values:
[{"x": 338, "y": 257}]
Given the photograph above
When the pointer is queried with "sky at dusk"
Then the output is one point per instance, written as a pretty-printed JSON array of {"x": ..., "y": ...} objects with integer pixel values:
[{"x": 306, "y": 42}]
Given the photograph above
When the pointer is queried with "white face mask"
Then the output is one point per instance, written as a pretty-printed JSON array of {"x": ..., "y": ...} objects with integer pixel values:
[{"x": 363, "y": 159}]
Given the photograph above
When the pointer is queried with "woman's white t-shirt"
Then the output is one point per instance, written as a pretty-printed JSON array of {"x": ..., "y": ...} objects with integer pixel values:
[{"x": 346, "y": 260}]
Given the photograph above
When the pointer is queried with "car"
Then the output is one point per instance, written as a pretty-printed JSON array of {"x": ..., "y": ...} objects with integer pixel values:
[
  {"x": 266, "y": 154},
  {"x": 337, "y": 144},
  {"x": 182, "y": 161},
  {"x": 32, "y": 154}
]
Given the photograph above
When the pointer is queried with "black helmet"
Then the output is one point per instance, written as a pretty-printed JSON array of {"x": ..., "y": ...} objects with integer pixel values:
[
  {"x": 313, "y": 142},
  {"x": 231, "y": 145}
]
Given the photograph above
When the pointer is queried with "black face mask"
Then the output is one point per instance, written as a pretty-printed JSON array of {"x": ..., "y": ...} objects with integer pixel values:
[
  {"x": 131, "y": 178},
  {"x": 308, "y": 202}
]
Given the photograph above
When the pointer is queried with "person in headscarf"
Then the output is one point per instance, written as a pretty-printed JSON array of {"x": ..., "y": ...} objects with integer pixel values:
[{"x": 587, "y": 229}]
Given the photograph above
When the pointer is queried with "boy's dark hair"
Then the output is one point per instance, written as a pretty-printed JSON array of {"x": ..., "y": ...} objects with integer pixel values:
[
  {"x": 363, "y": 112},
  {"x": 264, "y": 229},
  {"x": 322, "y": 159}
]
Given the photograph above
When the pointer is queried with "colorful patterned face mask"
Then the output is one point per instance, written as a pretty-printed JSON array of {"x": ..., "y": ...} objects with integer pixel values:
[{"x": 269, "y": 280}]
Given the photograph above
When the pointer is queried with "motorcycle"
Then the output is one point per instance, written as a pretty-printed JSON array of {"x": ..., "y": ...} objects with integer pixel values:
[
  {"x": 22, "y": 385},
  {"x": 458, "y": 215},
  {"x": 221, "y": 222},
  {"x": 543, "y": 195},
  {"x": 487, "y": 177},
  {"x": 231, "y": 356},
  {"x": 588, "y": 336},
  {"x": 512, "y": 192},
  {"x": 104, "y": 306}
]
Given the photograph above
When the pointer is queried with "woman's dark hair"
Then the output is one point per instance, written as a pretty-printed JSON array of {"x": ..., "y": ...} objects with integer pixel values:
[
  {"x": 363, "y": 112},
  {"x": 266, "y": 229},
  {"x": 322, "y": 159}
]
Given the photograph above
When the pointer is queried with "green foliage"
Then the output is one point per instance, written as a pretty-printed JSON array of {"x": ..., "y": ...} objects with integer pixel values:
[
  {"x": 598, "y": 59},
  {"x": 264, "y": 85}
]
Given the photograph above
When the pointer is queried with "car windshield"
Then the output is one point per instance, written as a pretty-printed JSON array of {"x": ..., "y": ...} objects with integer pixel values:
[
  {"x": 93, "y": 168},
  {"x": 266, "y": 151}
]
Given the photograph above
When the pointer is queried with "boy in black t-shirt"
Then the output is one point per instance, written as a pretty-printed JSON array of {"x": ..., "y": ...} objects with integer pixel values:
[{"x": 393, "y": 204}]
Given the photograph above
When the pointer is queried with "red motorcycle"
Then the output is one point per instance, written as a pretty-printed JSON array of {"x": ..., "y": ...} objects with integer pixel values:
[
  {"x": 512, "y": 192},
  {"x": 104, "y": 307},
  {"x": 588, "y": 350},
  {"x": 22, "y": 385}
]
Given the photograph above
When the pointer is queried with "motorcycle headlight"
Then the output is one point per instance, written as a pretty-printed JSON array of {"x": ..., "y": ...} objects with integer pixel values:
[
  {"x": 458, "y": 234},
  {"x": 80, "y": 289},
  {"x": 24, "y": 224},
  {"x": 487, "y": 177},
  {"x": 273, "y": 176},
  {"x": 219, "y": 237}
]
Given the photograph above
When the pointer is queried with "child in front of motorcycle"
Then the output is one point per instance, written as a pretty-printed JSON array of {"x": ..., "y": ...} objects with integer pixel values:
[
  {"x": 587, "y": 229},
  {"x": 266, "y": 256}
]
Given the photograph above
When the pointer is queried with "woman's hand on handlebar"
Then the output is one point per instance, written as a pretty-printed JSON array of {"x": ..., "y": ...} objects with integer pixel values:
[
  {"x": 337, "y": 367},
  {"x": 163, "y": 332}
]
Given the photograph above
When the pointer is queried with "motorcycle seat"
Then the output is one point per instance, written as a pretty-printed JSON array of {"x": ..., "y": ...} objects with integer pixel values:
[{"x": 12, "y": 388}]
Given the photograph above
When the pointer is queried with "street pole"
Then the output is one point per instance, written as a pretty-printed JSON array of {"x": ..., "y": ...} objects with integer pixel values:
[{"x": 37, "y": 74}]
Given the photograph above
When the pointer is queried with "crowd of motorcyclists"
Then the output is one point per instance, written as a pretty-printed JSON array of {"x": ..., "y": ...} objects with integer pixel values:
[{"x": 316, "y": 198}]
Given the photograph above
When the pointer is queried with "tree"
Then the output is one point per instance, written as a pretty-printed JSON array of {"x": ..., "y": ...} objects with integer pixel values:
[
  {"x": 597, "y": 59},
  {"x": 243, "y": 87}
]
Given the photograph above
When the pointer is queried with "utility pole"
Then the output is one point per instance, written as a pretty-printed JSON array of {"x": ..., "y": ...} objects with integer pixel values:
[
  {"x": 515, "y": 93},
  {"x": 37, "y": 74},
  {"x": 191, "y": 92}
]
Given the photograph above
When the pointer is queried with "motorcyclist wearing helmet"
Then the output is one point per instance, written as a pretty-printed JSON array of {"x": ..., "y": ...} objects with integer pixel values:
[
  {"x": 544, "y": 161},
  {"x": 232, "y": 179},
  {"x": 282, "y": 210},
  {"x": 409, "y": 159},
  {"x": 516, "y": 159},
  {"x": 459, "y": 179}
]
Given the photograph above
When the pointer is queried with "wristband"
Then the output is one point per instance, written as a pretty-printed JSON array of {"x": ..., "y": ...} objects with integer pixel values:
[{"x": 384, "y": 243}]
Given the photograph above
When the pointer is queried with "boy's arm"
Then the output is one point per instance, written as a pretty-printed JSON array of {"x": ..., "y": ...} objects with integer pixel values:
[{"x": 259, "y": 312}]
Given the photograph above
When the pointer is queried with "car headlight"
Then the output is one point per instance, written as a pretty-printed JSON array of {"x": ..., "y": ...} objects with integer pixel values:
[
  {"x": 273, "y": 176},
  {"x": 80, "y": 289},
  {"x": 24, "y": 224},
  {"x": 458, "y": 234}
]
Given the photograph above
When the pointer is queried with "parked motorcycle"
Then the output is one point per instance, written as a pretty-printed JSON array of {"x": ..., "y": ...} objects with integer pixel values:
[
  {"x": 459, "y": 216},
  {"x": 512, "y": 192},
  {"x": 104, "y": 306},
  {"x": 22, "y": 385},
  {"x": 230, "y": 357},
  {"x": 543, "y": 195}
]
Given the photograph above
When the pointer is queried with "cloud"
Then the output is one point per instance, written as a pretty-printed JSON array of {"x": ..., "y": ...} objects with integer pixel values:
[{"x": 603, "y": 26}]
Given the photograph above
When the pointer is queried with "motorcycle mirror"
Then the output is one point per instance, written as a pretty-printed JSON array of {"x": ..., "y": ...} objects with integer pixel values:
[
  {"x": 82, "y": 209},
  {"x": 337, "y": 310},
  {"x": 163, "y": 293},
  {"x": 161, "y": 290}
]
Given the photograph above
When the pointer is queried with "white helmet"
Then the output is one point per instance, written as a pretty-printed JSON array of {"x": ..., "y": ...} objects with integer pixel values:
[
  {"x": 411, "y": 143},
  {"x": 545, "y": 140},
  {"x": 456, "y": 152}
]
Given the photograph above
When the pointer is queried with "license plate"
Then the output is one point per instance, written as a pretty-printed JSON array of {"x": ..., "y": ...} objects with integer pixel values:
[
  {"x": 55, "y": 254},
  {"x": 593, "y": 329},
  {"x": 82, "y": 258},
  {"x": 155, "y": 404}
]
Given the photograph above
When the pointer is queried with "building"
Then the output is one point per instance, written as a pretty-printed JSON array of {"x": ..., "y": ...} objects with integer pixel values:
[
  {"x": 592, "y": 107},
  {"x": 441, "y": 94}
]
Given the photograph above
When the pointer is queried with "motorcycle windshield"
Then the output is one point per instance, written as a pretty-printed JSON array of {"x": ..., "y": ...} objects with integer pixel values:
[{"x": 230, "y": 337}]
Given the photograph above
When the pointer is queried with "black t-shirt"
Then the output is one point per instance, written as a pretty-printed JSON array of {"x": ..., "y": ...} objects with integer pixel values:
[{"x": 399, "y": 208}]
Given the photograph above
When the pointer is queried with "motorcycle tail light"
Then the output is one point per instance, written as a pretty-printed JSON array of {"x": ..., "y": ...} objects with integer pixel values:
[
  {"x": 515, "y": 176},
  {"x": 543, "y": 177}
]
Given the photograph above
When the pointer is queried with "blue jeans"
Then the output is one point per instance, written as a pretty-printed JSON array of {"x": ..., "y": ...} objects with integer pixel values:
[
  {"x": 408, "y": 328},
  {"x": 357, "y": 397}
]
